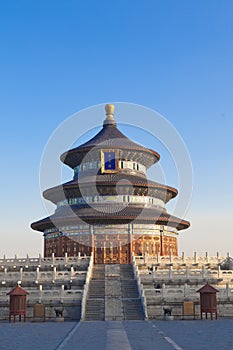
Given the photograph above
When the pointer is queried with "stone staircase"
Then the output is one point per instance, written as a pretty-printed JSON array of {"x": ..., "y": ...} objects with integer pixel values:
[
  {"x": 132, "y": 307},
  {"x": 96, "y": 296},
  {"x": 113, "y": 294}
]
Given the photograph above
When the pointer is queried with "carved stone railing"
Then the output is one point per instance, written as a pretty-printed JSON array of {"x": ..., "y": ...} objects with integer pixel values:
[
  {"x": 187, "y": 274},
  {"x": 39, "y": 271},
  {"x": 190, "y": 261},
  {"x": 53, "y": 294},
  {"x": 86, "y": 287},
  {"x": 140, "y": 287},
  {"x": 39, "y": 261}
]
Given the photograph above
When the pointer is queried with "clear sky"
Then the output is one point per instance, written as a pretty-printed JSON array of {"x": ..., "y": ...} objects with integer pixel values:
[{"x": 176, "y": 57}]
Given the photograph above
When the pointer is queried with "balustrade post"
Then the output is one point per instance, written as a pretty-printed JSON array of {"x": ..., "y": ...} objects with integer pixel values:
[
  {"x": 203, "y": 271},
  {"x": 71, "y": 271},
  {"x": 37, "y": 273},
  {"x": 163, "y": 290},
  {"x": 170, "y": 273},
  {"x": 54, "y": 272},
  {"x": 153, "y": 273},
  {"x": 62, "y": 293},
  {"x": 40, "y": 293},
  {"x": 187, "y": 272}
]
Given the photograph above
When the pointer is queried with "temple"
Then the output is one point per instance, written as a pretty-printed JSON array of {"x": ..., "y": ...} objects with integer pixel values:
[
  {"x": 110, "y": 208},
  {"x": 110, "y": 248}
]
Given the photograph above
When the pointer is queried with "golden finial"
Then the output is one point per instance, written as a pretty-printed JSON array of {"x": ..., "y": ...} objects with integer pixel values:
[{"x": 109, "y": 109}]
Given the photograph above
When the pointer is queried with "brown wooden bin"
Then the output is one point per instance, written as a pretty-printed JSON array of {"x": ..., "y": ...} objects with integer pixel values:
[
  {"x": 208, "y": 300},
  {"x": 188, "y": 310},
  {"x": 39, "y": 312}
]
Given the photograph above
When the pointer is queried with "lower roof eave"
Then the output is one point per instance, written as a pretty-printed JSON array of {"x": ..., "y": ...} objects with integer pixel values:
[{"x": 48, "y": 223}]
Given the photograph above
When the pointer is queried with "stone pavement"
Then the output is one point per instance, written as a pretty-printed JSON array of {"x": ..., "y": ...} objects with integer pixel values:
[
  {"x": 113, "y": 335},
  {"x": 36, "y": 336}
]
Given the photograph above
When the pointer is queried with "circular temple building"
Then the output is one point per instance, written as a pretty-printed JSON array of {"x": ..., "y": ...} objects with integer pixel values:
[{"x": 110, "y": 208}]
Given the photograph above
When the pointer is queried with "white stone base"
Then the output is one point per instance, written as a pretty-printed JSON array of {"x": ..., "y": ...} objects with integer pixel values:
[{"x": 168, "y": 318}]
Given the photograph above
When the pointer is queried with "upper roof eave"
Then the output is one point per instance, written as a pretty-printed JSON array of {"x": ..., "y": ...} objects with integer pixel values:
[{"x": 108, "y": 137}]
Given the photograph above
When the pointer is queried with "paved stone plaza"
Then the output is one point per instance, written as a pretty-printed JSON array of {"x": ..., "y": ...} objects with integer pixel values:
[{"x": 135, "y": 335}]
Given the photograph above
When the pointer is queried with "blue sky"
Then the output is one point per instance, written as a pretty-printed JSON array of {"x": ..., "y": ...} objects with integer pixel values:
[{"x": 58, "y": 57}]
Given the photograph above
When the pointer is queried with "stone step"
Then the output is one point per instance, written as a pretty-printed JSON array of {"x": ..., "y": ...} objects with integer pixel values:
[
  {"x": 122, "y": 294},
  {"x": 97, "y": 286},
  {"x": 133, "y": 309},
  {"x": 94, "y": 310},
  {"x": 96, "y": 294}
]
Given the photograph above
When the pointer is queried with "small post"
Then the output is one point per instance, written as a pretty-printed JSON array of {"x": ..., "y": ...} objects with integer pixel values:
[
  {"x": 62, "y": 293},
  {"x": 37, "y": 273},
  {"x": 187, "y": 272},
  {"x": 163, "y": 290},
  {"x": 40, "y": 293},
  {"x": 71, "y": 271},
  {"x": 203, "y": 271},
  {"x": 54, "y": 272},
  {"x": 170, "y": 273}
]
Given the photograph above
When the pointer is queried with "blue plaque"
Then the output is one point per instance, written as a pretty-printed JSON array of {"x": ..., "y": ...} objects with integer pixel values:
[{"x": 108, "y": 161}]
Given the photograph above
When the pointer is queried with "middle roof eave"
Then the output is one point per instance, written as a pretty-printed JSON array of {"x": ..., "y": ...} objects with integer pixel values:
[{"x": 120, "y": 179}]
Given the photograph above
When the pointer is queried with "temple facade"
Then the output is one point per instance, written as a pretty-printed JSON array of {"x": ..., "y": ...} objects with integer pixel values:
[{"x": 110, "y": 208}]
